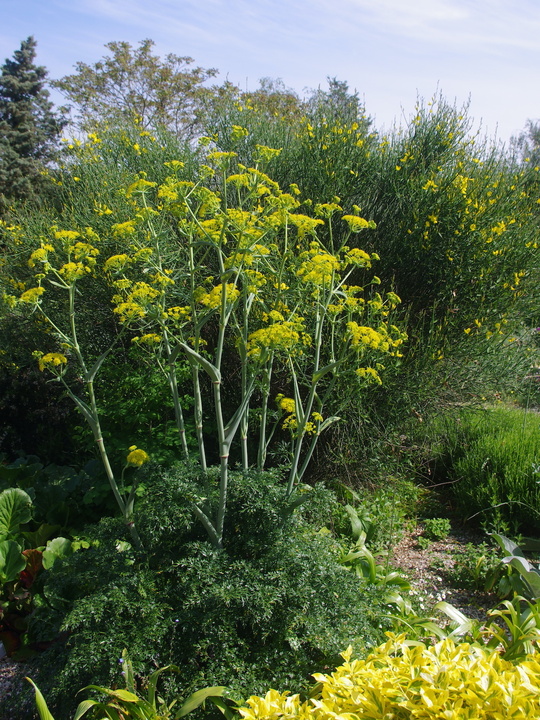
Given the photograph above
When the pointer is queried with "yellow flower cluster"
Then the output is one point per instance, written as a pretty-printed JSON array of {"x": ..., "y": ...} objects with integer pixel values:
[
  {"x": 67, "y": 236},
  {"x": 136, "y": 303},
  {"x": 285, "y": 403},
  {"x": 148, "y": 339},
  {"x": 363, "y": 335},
  {"x": 136, "y": 456},
  {"x": 304, "y": 224},
  {"x": 179, "y": 313},
  {"x": 326, "y": 210},
  {"x": 213, "y": 298},
  {"x": 286, "y": 335},
  {"x": 116, "y": 263},
  {"x": 318, "y": 267},
  {"x": 139, "y": 186},
  {"x": 454, "y": 681},
  {"x": 370, "y": 374},
  {"x": 356, "y": 224},
  {"x": 124, "y": 229},
  {"x": 32, "y": 295},
  {"x": 265, "y": 154},
  {"x": 288, "y": 405},
  {"x": 51, "y": 360},
  {"x": 357, "y": 257},
  {"x": 71, "y": 271},
  {"x": 40, "y": 255}
]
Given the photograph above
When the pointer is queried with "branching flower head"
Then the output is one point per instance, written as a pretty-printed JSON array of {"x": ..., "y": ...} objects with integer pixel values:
[
  {"x": 357, "y": 257},
  {"x": 32, "y": 295},
  {"x": 369, "y": 374},
  {"x": 137, "y": 457},
  {"x": 286, "y": 404},
  {"x": 318, "y": 266},
  {"x": 213, "y": 298},
  {"x": 40, "y": 255},
  {"x": 356, "y": 223},
  {"x": 284, "y": 335},
  {"x": 51, "y": 361},
  {"x": 72, "y": 271},
  {"x": 124, "y": 229},
  {"x": 116, "y": 263}
]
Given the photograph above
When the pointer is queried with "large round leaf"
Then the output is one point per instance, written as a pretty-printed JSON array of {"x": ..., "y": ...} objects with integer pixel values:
[
  {"x": 15, "y": 510},
  {"x": 57, "y": 548},
  {"x": 12, "y": 562}
]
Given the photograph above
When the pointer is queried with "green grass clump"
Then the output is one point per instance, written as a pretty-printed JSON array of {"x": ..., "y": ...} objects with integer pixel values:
[{"x": 491, "y": 456}]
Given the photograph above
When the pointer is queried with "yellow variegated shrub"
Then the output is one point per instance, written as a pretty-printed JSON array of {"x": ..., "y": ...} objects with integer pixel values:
[{"x": 398, "y": 681}]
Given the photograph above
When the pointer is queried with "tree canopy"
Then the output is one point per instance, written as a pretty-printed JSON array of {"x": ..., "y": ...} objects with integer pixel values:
[{"x": 133, "y": 84}]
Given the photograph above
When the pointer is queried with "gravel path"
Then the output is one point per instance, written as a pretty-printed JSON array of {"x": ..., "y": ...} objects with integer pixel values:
[
  {"x": 12, "y": 681},
  {"x": 418, "y": 564}
]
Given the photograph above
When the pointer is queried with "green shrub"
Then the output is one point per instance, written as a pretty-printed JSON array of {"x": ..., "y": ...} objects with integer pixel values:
[
  {"x": 271, "y": 608},
  {"x": 436, "y": 528},
  {"x": 381, "y": 511}
]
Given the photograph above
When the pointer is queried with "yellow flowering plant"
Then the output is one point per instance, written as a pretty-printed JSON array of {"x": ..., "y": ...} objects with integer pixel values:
[
  {"x": 209, "y": 274},
  {"x": 249, "y": 263},
  {"x": 62, "y": 262}
]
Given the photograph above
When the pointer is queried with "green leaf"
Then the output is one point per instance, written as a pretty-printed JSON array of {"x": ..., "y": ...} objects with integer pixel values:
[
  {"x": 15, "y": 510},
  {"x": 56, "y": 548},
  {"x": 152, "y": 682},
  {"x": 39, "y": 537},
  {"x": 128, "y": 671},
  {"x": 124, "y": 695},
  {"x": 507, "y": 546},
  {"x": 43, "y": 710},
  {"x": 452, "y": 612},
  {"x": 197, "y": 698},
  {"x": 528, "y": 573},
  {"x": 12, "y": 562},
  {"x": 357, "y": 523},
  {"x": 229, "y": 712},
  {"x": 327, "y": 422},
  {"x": 324, "y": 370},
  {"x": 83, "y": 707},
  {"x": 91, "y": 374}
]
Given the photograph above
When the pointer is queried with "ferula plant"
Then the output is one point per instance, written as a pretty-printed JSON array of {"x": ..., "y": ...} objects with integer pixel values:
[{"x": 227, "y": 272}]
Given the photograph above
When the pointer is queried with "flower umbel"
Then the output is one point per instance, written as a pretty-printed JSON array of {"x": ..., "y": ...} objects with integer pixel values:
[
  {"x": 51, "y": 360},
  {"x": 136, "y": 456}
]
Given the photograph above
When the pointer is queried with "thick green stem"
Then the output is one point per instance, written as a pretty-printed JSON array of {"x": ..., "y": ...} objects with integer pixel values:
[
  {"x": 244, "y": 423},
  {"x": 224, "y": 448},
  {"x": 208, "y": 526},
  {"x": 173, "y": 384},
  {"x": 302, "y": 421},
  {"x": 198, "y": 414},
  {"x": 263, "y": 443},
  {"x": 92, "y": 416}
]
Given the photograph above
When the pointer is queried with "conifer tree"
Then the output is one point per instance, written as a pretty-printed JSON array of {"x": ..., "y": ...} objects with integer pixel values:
[{"x": 29, "y": 128}]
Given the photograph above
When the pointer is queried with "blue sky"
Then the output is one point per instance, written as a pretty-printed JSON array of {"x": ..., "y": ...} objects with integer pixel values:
[{"x": 390, "y": 51}]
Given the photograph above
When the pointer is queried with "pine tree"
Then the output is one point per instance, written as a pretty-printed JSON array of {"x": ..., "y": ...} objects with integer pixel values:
[{"x": 29, "y": 128}]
